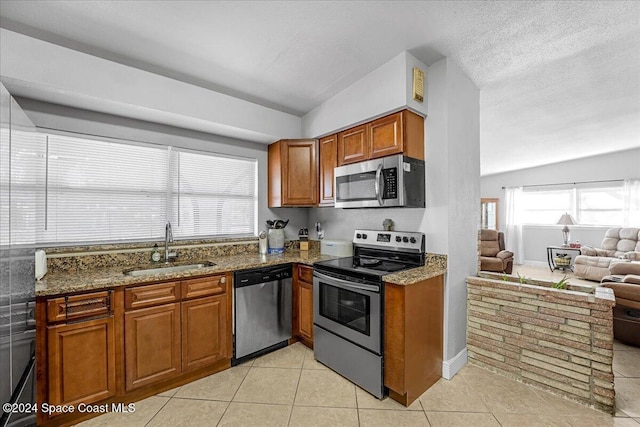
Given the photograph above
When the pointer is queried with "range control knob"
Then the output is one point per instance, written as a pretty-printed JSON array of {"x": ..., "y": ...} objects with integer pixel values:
[
  {"x": 364, "y": 236},
  {"x": 412, "y": 240},
  {"x": 405, "y": 239},
  {"x": 398, "y": 239},
  {"x": 358, "y": 236}
]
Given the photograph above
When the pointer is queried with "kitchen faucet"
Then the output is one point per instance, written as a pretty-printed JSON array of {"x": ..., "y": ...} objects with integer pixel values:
[{"x": 168, "y": 237}]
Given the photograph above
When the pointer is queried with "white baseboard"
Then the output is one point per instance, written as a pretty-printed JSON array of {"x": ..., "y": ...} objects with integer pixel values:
[{"x": 452, "y": 366}]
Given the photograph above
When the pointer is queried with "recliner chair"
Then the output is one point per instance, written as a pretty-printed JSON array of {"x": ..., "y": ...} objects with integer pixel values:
[
  {"x": 493, "y": 256},
  {"x": 625, "y": 282}
]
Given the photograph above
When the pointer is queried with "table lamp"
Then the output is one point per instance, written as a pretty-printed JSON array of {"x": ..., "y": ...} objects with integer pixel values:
[{"x": 566, "y": 220}]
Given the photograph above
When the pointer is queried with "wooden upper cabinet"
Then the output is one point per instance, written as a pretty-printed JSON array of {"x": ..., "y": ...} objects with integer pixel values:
[
  {"x": 293, "y": 173},
  {"x": 397, "y": 133},
  {"x": 328, "y": 161},
  {"x": 353, "y": 145},
  {"x": 386, "y": 136}
]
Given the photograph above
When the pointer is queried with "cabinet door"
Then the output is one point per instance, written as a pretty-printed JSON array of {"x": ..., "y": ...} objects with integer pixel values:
[
  {"x": 82, "y": 363},
  {"x": 300, "y": 172},
  {"x": 303, "y": 303},
  {"x": 305, "y": 310},
  {"x": 152, "y": 345},
  {"x": 328, "y": 161},
  {"x": 353, "y": 145},
  {"x": 205, "y": 333},
  {"x": 386, "y": 136}
]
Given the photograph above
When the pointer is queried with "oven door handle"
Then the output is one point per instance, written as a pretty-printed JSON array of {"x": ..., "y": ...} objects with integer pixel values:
[
  {"x": 377, "y": 184},
  {"x": 346, "y": 284}
]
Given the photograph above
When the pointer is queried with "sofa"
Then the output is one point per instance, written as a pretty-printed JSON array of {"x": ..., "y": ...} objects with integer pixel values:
[
  {"x": 493, "y": 256},
  {"x": 619, "y": 244},
  {"x": 625, "y": 282}
]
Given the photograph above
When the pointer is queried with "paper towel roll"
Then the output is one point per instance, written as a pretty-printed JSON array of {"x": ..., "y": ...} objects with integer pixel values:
[{"x": 41, "y": 264}]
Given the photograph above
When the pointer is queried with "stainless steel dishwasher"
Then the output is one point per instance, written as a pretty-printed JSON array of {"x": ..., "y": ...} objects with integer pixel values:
[{"x": 262, "y": 311}]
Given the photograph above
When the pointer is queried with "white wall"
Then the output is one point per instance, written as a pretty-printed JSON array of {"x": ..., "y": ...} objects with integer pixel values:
[
  {"x": 463, "y": 187},
  {"x": 40, "y": 70},
  {"x": 385, "y": 89},
  {"x": 619, "y": 165},
  {"x": 451, "y": 217},
  {"x": 51, "y": 116}
]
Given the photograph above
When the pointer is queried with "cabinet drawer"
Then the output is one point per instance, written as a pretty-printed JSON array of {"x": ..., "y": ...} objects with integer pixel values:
[
  {"x": 305, "y": 273},
  {"x": 149, "y": 295},
  {"x": 204, "y": 286},
  {"x": 76, "y": 307}
]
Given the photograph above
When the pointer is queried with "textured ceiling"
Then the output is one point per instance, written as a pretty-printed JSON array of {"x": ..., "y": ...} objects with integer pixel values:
[{"x": 551, "y": 74}]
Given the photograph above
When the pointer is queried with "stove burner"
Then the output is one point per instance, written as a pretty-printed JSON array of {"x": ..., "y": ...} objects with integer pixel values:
[{"x": 370, "y": 262}]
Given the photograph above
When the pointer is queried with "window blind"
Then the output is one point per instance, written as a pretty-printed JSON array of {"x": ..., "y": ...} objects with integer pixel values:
[
  {"x": 94, "y": 191},
  {"x": 103, "y": 191},
  {"x": 212, "y": 195},
  {"x": 22, "y": 174}
]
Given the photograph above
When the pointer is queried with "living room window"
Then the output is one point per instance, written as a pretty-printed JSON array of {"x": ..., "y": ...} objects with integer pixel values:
[{"x": 590, "y": 204}]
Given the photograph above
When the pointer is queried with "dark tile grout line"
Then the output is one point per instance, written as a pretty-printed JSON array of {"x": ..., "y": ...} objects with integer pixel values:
[
  {"x": 355, "y": 390},
  {"x": 158, "y": 411},
  {"x": 296, "y": 392},
  {"x": 234, "y": 395},
  {"x": 424, "y": 411}
]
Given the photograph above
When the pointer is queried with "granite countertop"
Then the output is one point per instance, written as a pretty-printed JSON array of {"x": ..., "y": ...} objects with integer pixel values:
[
  {"x": 415, "y": 275},
  {"x": 64, "y": 282}
]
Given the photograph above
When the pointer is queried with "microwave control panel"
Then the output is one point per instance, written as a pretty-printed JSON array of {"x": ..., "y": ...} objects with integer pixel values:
[{"x": 390, "y": 177}]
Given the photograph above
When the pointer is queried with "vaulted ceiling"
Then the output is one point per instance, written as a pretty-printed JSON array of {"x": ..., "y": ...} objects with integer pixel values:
[{"x": 558, "y": 80}]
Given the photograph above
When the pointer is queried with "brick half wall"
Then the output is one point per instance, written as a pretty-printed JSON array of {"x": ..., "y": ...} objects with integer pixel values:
[{"x": 558, "y": 340}]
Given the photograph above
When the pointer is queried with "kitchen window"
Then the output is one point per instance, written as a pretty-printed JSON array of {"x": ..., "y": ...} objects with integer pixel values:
[{"x": 92, "y": 190}]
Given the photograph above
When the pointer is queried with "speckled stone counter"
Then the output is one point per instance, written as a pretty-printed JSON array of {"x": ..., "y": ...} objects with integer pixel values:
[
  {"x": 64, "y": 282},
  {"x": 100, "y": 278},
  {"x": 434, "y": 266}
]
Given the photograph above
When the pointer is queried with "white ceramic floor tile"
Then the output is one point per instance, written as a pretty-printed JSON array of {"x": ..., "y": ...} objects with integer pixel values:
[
  {"x": 269, "y": 385},
  {"x": 255, "y": 415},
  {"x": 220, "y": 386}
]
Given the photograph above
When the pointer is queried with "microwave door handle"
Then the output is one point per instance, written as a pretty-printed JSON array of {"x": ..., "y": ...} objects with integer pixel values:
[{"x": 377, "y": 184}]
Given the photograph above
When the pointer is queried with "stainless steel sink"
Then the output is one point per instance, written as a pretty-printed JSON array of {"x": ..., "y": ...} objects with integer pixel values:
[{"x": 166, "y": 268}]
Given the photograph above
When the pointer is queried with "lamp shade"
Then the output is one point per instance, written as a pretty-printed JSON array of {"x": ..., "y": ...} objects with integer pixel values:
[{"x": 567, "y": 219}]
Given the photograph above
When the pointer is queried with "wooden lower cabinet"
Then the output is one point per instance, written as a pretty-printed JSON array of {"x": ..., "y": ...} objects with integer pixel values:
[
  {"x": 303, "y": 304},
  {"x": 151, "y": 345},
  {"x": 205, "y": 337},
  {"x": 413, "y": 338},
  {"x": 305, "y": 310},
  {"x": 153, "y": 337},
  {"x": 81, "y": 362}
]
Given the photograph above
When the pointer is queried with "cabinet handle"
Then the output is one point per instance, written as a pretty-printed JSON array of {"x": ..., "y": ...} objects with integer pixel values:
[{"x": 223, "y": 280}]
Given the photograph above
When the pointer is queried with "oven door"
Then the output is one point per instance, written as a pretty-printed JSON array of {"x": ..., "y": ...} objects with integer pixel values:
[{"x": 349, "y": 309}]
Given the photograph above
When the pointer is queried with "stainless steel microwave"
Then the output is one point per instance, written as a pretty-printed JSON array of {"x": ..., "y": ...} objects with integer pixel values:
[{"x": 394, "y": 181}]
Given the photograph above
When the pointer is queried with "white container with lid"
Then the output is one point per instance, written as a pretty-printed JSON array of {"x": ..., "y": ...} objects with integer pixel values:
[{"x": 341, "y": 248}]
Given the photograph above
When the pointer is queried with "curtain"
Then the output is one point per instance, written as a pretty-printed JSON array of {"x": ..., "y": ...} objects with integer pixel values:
[
  {"x": 513, "y": 233},
  {"x": 631, "y": 209}
]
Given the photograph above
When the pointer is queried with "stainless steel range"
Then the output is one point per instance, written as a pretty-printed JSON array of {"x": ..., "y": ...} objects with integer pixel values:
[{"x": 348, "y": 303}]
